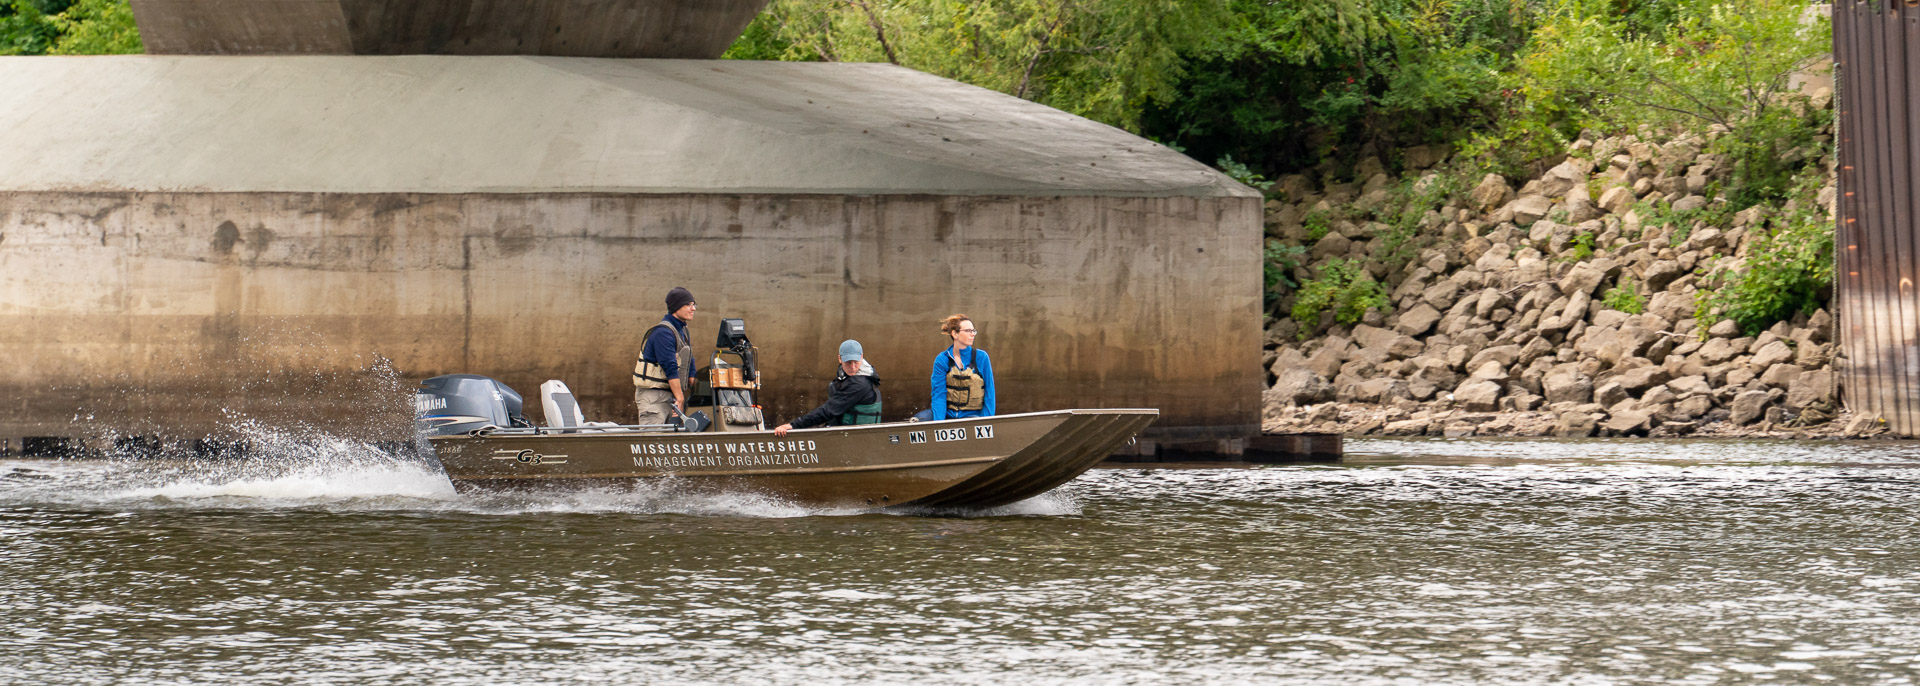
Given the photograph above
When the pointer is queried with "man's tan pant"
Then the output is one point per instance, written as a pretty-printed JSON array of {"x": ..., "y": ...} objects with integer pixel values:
[{"x": 655, "y": 405}]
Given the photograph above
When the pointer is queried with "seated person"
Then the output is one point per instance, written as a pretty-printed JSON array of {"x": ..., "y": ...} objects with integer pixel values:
[{"x": 853, "y": 398}]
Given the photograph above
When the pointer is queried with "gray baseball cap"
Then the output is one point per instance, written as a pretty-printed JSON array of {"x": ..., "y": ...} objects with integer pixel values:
[{"x": 850, "y": 351}]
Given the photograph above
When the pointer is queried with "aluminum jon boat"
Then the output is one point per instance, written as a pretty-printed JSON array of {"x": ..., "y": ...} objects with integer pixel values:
[{"x": 962, "y": 463}]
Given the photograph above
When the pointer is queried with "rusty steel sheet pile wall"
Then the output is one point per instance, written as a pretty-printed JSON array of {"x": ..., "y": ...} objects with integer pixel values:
[
  {"x": 1877, "y": 50},
  {"x": 175, "y": 313}
]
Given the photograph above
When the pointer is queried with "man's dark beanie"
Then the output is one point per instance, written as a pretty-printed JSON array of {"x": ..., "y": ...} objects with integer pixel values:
[{"x": 678, "y": 298}]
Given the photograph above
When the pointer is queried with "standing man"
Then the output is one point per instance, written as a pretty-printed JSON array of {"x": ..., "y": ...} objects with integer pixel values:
[{"x": 663, "y": 375}]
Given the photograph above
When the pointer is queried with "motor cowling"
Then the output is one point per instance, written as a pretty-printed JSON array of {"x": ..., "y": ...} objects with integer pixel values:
[{"x": 458, "y": 403}]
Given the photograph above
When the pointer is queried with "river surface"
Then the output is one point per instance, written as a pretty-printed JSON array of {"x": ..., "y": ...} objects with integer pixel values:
[{"x": 1416, "y": 561}]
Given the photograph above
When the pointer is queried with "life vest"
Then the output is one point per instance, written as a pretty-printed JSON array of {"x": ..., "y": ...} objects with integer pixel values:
[
  {"x": 862, "y": 414},
  {"x": 966, "y": 389},
  {"x": 648, "y": 374},
  {"x": 868, "y": 413}
]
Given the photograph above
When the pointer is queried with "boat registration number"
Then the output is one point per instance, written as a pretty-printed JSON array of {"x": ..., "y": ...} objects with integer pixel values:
[{"x": 960, "y": 434}]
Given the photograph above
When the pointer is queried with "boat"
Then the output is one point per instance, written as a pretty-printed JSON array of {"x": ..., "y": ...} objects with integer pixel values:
[
  {"x": 475, "y": 427},
  {"x": 960, "y": 463}
]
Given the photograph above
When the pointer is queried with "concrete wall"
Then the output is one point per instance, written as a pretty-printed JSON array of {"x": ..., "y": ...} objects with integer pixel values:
[
  {"x": 698, "y": 29},
  {"x": 183, "y": 312}
]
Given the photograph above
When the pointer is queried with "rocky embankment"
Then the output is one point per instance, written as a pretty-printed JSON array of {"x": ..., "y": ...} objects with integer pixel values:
[{"x": 1498, "y": 322}]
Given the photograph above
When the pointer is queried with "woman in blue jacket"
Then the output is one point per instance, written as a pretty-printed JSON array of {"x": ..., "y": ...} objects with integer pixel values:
[{"x": 962, "y": 374}]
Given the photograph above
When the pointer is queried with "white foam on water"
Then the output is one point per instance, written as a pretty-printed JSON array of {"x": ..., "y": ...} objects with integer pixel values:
[
  {"x": 321, "y": 483},
  {"x": 661, "y": 498},
  {"x": 1054, "y": 503}
]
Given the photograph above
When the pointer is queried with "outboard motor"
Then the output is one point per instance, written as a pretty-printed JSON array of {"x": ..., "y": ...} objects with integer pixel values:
[{"x": 458, "y": 403}]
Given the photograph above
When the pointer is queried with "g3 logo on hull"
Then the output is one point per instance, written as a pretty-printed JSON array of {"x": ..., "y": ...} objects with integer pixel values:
[{"x": 528, "y": 457}]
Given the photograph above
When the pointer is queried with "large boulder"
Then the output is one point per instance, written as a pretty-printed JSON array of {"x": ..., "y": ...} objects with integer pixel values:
[
  {"x": 1489, "y": 371},
  {"x": 1691, "y": 408},
  {"x": 1478, "y": 396},
  {"x": 1418, "y": 321},
  {"x": 1661, "y": 273},
  {"x": 1690, "y": 385},
  {"x": 1748, "y": 407},
  {"x": 1813, "y": 389},
  {"x": 1409, "y": 427},
  {"x": 1302, "y": 386},
  {"x": 1575, "y": 310},
  {"x": 1781, "y": 375},
  {"x": 1617, "y": 200},
  {"x": 1574, "y": 425},
  {"x": 1629, "y": 423},
  {"x": 1582, "y": 278},
  {"x": 1717, "y": 351},
  {"x": 1327, "y": 360},
  {"x": 1610, "y": 394},
  {"x": 1379, "y": 390},
  {"x": 1567, "y": 385},
  {"x": 1386, "y": 342},
  {"x": 1441, "y": 295},
  {"x": 1776, "y": 352},
  {"x": 1506, "y": 355},
  {"x": 1530, "y": 209},
  {"x": 1564, "y": 177},
  {"x": 1492, "y": 192},
  {"x": 1332, "y": 245},
  {"x": 1820, "y": 326},
  {"x": 1642, "y": 378},
  {"x": 1671, "y": 306}
]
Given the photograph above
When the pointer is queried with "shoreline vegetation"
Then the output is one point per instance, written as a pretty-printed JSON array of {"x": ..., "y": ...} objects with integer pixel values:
[{"x": 1484, "y": 217}]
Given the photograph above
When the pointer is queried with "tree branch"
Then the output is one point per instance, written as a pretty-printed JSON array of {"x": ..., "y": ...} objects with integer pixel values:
[
  {"x": 879, "y": 29},
  {"x": 1026, "y": 75}
]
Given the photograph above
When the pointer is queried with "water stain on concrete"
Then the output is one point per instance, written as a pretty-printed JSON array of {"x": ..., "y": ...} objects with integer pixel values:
[{"x": 224, "y": 237}]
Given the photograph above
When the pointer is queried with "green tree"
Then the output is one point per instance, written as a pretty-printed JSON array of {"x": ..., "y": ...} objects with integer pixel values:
[
  {"x": 67, "y": 27},
  {"x": 1290, "y": 84},
  {"x": 27, "y": 27},
  {"x": 98, "y": 27},
  {"x": 1103, "y": 59},
  {"x": 1719, "y": 64}
]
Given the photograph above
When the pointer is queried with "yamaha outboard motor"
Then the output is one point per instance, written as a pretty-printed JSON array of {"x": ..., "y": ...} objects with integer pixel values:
[{"x": 458, "y": 403}]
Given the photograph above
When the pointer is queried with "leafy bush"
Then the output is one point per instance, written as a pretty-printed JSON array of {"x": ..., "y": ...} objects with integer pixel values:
[
  {"x": 1582, "y": 246},
  {"x": 1406, "y": 207},
  {"x": 1240, "y": 172},
  {"x": 67, "y": 27},
  {"x": 1789, "y": 268},
  {"x": 1624, "y": 297},
  {"x": 1291, "y": 82},
  {"x": 1344, "y": 287},
  {"x": 1717, "y": 63},
  {"x": 1661, "y": 213},
  {"x": 1318, "y": 224},
  {"x": 1280, "y": 261}
]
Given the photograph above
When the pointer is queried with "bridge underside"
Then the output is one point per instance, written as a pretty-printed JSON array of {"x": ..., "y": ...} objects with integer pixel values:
[{"x": 691, "y": 29}]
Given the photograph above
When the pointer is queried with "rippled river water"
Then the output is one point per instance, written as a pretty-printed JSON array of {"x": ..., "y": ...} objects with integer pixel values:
[{"x": 1415, "y": 562}]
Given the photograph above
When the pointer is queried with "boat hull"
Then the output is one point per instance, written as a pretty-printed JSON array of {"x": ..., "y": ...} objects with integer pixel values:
[{"x": 962, "y": 463}]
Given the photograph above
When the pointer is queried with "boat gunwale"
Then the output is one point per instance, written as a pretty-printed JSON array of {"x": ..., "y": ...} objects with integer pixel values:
[
  {"x": 731, "y": 473},
  {"x": 575, "y": 433}
]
